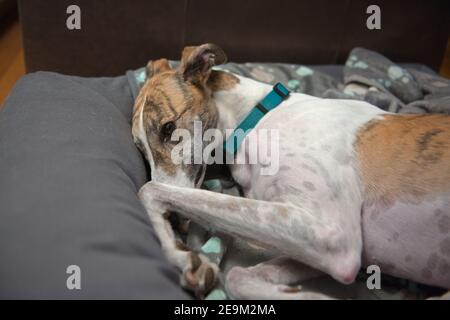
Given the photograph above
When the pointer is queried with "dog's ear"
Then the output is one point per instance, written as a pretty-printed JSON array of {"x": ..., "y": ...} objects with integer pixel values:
[
  {"x": 196, "y": 62},
  {"x": 156, "y": 66}
]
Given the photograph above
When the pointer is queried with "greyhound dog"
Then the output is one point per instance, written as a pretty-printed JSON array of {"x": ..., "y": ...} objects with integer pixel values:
[{"x": 356, "y": 185}]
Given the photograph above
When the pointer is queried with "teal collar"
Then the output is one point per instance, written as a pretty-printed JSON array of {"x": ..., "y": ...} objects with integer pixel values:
[{"x": 275, "y": 97}]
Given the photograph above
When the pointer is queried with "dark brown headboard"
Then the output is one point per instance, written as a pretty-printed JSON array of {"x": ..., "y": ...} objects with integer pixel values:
[{"x": 117, "y": 35}]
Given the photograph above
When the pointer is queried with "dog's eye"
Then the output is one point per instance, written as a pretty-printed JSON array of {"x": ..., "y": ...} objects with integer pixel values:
[{"x": 167, "y": 130}]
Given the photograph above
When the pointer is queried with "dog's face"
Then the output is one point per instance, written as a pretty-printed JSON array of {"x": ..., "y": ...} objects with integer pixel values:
[{"x": 174, "y": 99}]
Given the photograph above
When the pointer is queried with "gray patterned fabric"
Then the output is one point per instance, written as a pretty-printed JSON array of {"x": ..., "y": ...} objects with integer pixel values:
[
  {"x": 297, "y": 78},
  {"x": 392, "y": 87}
]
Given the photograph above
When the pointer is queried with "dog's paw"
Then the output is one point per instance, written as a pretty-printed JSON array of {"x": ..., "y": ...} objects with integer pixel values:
[{"x": 200, "y": 275}]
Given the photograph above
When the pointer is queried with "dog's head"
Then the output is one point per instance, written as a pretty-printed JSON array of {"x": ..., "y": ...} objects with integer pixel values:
[{"x": 174, "y": 99}]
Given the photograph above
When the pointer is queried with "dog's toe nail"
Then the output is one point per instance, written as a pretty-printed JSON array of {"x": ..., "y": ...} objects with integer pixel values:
[
  {"x": 291, "y": 289},
  {"x": 195, "y": 262},
  {"x": 184, "y": 227},
  {"x": 209, "y": 278}
]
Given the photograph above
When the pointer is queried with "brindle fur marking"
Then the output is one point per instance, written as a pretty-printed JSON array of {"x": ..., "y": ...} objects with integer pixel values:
[
  {"x": 167, "y": 97},
  {"x": 405, "y": 156}
]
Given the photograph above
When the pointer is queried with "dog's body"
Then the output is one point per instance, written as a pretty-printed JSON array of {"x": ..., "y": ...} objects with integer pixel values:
[
  {"x": 385, "y": 176},
  {"x": 356, "y": 186}
]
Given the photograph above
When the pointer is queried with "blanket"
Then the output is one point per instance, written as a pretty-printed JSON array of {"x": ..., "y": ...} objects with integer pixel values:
[{"x": 367, "y": 76}]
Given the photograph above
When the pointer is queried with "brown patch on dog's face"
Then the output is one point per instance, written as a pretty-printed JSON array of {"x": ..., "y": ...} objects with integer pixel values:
[
  {"x": 405, "y": 156},
  {"x": 173, "y": 99}
]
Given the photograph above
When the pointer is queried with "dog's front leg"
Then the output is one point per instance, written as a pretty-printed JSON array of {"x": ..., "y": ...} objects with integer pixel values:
[
  {"x": 333, "y": 247},
  {"x": 198, "y": 273}
]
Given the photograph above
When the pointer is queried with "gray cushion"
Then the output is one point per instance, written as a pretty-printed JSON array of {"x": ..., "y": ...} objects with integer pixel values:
[{"x": 69, "y": 174}]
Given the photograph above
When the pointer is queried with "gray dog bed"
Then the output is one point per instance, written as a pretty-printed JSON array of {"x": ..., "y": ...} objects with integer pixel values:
[{"x": 69, "y": 174}]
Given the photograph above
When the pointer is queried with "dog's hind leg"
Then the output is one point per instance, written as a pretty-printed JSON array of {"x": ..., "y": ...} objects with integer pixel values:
[
  {"x": 331, "y": 243},
  {"x": 275, "y": 279}
]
